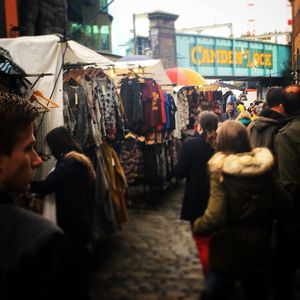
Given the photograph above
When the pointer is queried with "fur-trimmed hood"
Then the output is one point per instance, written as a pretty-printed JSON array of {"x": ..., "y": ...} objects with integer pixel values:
[
  {"x": 84, "y": 160},
  {"x": 256, "y": 162}
]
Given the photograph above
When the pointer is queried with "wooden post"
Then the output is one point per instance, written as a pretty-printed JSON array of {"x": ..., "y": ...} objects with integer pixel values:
[{"x": 11, "y": 16}]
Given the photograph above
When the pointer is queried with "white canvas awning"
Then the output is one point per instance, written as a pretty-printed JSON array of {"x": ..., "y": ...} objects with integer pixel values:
[
  {"x": 46, "y": 54},
  {"x": 77, "y": 53},
  {"x": 152, "y": 68}
]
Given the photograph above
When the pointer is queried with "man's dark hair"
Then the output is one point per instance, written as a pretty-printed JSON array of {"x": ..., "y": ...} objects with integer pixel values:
[
  {"x": 61, "y": 142},
  {"x": 16, "y": 114},
  {"x": 208, "y": 120},
  {"x": 274, "y": 96},
  {"x": 291, "y": 99}
]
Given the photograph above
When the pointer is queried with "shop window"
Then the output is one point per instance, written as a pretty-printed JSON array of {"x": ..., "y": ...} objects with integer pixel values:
[
  {"x": 75, "y": 30},
  {"x": 104, "y": 32},
  {"x": 88, "y": 30},
  {"x": 103, "y": 6}
]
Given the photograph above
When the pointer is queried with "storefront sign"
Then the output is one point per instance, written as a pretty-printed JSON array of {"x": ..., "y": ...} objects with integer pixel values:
[
  {"x": 219, "y": 57},
  {"x": 207, "y": 56}
]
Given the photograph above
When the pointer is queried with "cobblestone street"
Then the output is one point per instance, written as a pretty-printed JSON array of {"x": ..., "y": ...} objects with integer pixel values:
[{"x": 153, "y": 257}]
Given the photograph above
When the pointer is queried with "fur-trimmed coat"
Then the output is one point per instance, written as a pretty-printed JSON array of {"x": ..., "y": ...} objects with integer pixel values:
[
  {"x": 70, "y": 181},
  {"x": 244, "y": 198}
]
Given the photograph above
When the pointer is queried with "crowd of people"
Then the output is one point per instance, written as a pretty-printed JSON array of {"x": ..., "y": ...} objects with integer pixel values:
[
  {"x": 241, "y": 199},
  {"x": 247, "y": 226}
]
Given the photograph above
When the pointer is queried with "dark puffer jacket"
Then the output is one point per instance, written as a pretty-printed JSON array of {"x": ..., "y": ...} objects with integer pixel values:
[
  {"x": 35, "y": 258},
  {"x": 243, "y": 201},
  {"x": 288, "y": 148},
  {"x": 263, "y": 129}
]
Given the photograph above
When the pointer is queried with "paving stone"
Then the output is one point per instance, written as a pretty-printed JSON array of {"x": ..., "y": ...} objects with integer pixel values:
[{"x": 153, "y": 257}]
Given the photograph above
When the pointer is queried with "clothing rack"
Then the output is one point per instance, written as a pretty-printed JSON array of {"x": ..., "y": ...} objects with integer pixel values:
[
  {"x": 77, "y": 66},
  {"x": 38, "y": 77}
]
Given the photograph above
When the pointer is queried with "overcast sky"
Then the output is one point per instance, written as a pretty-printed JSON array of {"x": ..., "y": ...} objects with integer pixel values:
[{"x": 268, "y": 15}]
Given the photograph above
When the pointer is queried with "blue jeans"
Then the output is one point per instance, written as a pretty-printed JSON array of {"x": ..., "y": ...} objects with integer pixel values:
[{"x": 220, "y": 285}]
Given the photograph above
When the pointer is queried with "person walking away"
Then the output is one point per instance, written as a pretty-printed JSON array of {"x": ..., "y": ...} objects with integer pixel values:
[
  {"x": 264, "y": 128},
  {"x": 263, "y": 131},
  {"x": 243, "y": 198},
  {"x": 230, "y": 113},
  {"x": 192, "y": 165},
  {"x": 71, "y": 182},
  {"x": 288, "y": 154},
  {"x": 36, "y": 261}
]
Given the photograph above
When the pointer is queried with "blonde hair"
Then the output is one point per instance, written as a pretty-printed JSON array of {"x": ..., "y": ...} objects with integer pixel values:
[{"x": 244, "y": 115}]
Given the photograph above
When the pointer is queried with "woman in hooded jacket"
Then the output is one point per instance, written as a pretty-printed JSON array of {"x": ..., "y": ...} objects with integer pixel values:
[
  {"x": 244, "y": 198},
  {"x": 71, "y": 182}
]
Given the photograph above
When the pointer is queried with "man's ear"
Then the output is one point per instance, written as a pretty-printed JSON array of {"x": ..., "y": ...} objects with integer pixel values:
[
  {"x": 199, "y": 129},
  {"x": 1, "y": 163},
  {"x": 281, "y": 108}
]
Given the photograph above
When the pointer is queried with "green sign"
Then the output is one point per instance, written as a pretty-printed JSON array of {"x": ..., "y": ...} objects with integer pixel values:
[
  {"x": 225, "y": 56},
  {"x": 216, "y": 57}
]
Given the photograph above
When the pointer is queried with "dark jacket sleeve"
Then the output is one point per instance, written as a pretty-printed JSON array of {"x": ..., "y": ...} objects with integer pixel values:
[
  {"x": 288, "y": 149},
  {"x": 37, "y": 260},
  {"x": 57, "y": 179},
  {"x": 283, "y": 202},
  {"x": 60, "y": 276},
  {"x": 184, "y": 163}
]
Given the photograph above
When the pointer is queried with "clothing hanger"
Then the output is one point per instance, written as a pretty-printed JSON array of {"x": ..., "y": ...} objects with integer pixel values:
[
  {"x": 130, "y": 135},
  {"x": 41, "y": 95},
  {"x": 33, "y": 98},
  {"x": 70, "y": 77}
]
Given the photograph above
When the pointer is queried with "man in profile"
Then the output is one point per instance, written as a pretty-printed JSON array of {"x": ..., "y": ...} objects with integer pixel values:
[{"x": 35, "y": 259}]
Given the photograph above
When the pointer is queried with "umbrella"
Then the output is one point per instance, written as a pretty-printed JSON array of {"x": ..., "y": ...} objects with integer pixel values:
[{"x": 185, "y": 77}]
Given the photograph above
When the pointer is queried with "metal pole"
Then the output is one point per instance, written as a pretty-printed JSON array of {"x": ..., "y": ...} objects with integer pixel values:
[{"x": 134, "y": 35}]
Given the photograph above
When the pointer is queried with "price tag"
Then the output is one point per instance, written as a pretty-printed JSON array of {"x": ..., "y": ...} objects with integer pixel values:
[{"x": 76, "y": 99}]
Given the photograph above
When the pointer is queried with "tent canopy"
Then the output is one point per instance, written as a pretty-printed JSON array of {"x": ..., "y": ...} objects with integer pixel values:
[
  {"x": 34, "y": 53},
  {"x": 77, "y": 53},
  {"x": 151, "y": 68},
  {"x": 41, "y": 57},
  {"x": 44, "y": 55},
  {"x": 134, "y": 58}
]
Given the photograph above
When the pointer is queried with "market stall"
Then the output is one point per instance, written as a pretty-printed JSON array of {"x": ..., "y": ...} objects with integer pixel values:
[
  {"x": 43, "y": 58},
  {"x": 47, "y": 62}
]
